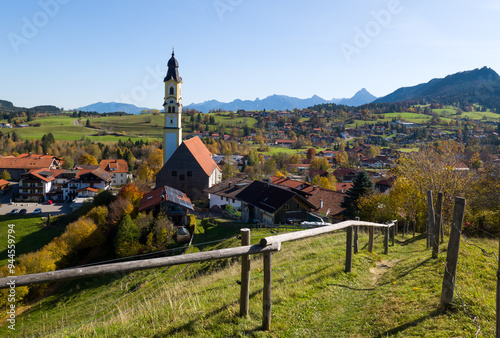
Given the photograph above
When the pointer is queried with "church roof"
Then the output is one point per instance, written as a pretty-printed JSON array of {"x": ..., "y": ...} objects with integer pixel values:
[
  {"x": 173, "y": 72},
  {"x": 200, "y": 152}
]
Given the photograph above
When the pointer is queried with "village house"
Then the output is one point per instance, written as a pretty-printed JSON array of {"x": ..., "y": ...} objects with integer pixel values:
[
  {"x": 267, "y": 203},
  {"x": 17, "y": 166},
  {"x": 225, "y": 192},
  {"x": 62, "y": 185},
  {"x": 174, "y": 203},
  {"x": 326, "y": 201},
  {"x": 118, "y": 169}
]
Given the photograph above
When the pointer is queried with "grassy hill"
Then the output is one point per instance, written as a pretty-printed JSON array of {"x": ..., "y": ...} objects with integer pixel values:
[{"x": 386, "y": 295}]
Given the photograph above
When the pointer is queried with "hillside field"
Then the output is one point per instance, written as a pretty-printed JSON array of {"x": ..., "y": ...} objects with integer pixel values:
[{"x": 394, "y": 295}]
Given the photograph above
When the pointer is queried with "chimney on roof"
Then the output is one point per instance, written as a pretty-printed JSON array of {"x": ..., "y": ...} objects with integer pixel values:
[
  {"x": 321, "y": 204},
  {"x": 230, "y": 184}
]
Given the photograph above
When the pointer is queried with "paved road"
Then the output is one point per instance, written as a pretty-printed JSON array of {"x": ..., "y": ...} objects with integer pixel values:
[{"x": 7, "y": 206}]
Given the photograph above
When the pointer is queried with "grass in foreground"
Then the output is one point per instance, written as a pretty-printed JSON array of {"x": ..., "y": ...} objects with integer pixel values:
[
  {"x": 394, "y": 295},
  {"x": 31, "y": 234}
]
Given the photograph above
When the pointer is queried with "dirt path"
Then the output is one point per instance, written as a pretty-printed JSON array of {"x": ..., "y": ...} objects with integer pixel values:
[{"x": 380, "y": 269}]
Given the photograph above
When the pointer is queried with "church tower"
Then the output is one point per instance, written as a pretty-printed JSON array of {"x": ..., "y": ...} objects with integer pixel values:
[{"x": 172, "y": 131}]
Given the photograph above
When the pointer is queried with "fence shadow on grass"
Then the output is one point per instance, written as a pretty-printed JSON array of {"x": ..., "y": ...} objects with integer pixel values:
[
  {"x": 190, "y": 326},
  {"x": 415, "y": 322},
  {"x": 413, "y": 239},
  {"x": 349, "y": 287}
]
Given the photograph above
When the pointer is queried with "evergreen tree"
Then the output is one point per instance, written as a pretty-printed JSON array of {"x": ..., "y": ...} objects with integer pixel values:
[
  {"x": 127, "y": 238},
  {"x": 362, "y": 185}
]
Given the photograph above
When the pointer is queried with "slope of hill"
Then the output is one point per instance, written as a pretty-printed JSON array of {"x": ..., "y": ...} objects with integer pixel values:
[
  {"x": 112, "y": 107},
  {"x": 8, "y": 107},
  {"x": 281, "y": 102},
  {"x": 476, "y": 86},
  {"x": 386, "y": 295}
]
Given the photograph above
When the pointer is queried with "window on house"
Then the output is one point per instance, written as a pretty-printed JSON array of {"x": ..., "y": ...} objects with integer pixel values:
[
  {"x": 287, "y": 207},
  {"x": 190, "y": 173},
  {"x": 174, "y": 173},
  {"x": 182, "y": 177}
]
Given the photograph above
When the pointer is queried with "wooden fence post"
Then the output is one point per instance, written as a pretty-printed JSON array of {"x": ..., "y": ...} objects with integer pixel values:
[
  {"x": 433, "y": 239},
  {"x": 245, "y": 274},
  {"x": 370, "y": 239},
  {"x": 439, "y": 216},
  {"x": 394, "y": 232},
  {"x": 430, "y": 219},
  {"x": 498, "y": 292},
  {"x": 356, "y": 236},
  {"x": 348, "y": 250},
  {"x": 386, "y": 241},
  {"x": 266, "y": 297},
  {"x": 452, "y": 254}
]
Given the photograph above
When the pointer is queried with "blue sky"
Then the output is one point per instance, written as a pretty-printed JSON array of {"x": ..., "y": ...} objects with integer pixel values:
[{"x": 71, "y": 53}]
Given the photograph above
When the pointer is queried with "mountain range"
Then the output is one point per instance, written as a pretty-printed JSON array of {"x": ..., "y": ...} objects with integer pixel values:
[
  {"x": 281, "y": 102},
  {"x": 480, "y": 86},
  {"x": 273, "y": 102}
]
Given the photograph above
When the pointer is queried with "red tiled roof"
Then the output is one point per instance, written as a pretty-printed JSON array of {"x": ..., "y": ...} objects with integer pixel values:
[
  {"x": 88, "y": 189},
  {"x": 158, "y": 195},
  {"x": 3, "y": 182},
  {"x": 35, "y": 156},
  {"x": 39, "y": 174},
  {"x": 286, "y": 182},
  {"x": 25, "y": 163},
  {"x": 200, "y": 152},
  {"x": 344, "y": 186},
  {"x": 331, "y": 201},
  {"x": 115, "y": 166}
]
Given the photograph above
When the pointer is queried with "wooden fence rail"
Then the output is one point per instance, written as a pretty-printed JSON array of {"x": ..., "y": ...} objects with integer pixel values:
[
  {"x": 267, "y": 246},
  {"x": 104, "y": 269}
]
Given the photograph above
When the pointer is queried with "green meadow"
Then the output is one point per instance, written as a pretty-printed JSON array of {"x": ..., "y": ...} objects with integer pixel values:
[
  {"x": 394, "y": 295},
  {"x": 31, "y": 234}
]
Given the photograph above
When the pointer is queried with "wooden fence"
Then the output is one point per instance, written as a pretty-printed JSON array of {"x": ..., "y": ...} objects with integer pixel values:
[{"x": 267, "y": 246}]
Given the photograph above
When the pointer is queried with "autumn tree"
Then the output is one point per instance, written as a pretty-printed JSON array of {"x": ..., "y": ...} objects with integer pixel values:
[
  {"x": 483, "y": 205},
  {"x": 87, "y": 159},
  {"x": 118, "y": 209},
  {"x": 5, "y": 175},
  {"x": 322, "y": 182},
  {"x": 68, "y": 162},
  {"x": 130, "y": 192},
  {"x": 342, "y": 158},
  {"x": 320, "y": 163},
  {"x": 149, "y": 168},
  {"x": 81, "y": 234},
  {"x": 311, "y": 153},
  {"x": 228, "y": 171},
  {"x": 435, "y": 168}
]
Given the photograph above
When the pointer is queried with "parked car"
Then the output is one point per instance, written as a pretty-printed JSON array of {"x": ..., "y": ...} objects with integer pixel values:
[
  {"x": 37, "y": 211},
  {"x": 13, "y": 212},
  {"x": 49, "y": 202},
  {"x": 22, "y": 211}
]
